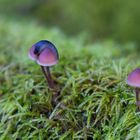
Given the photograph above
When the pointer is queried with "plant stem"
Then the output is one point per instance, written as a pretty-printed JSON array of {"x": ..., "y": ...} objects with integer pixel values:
[
  {"x": 47, "y": 74},
  {"x": 138, "y": 98}
]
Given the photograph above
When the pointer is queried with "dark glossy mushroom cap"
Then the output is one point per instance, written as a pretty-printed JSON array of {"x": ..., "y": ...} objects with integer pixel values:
[
  {"x": 134, "y": 78},
  {"x": 44, "y": 53}
]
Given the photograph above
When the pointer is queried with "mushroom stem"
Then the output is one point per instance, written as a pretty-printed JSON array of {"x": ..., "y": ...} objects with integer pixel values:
[
  {"x": 47, "y": 74},
  {"x": 138, "y": 98},
  {"x": 50, "y": 80}
]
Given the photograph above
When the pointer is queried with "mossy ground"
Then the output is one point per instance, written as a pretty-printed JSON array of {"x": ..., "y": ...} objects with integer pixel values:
[{"x": 94, "y": 103}]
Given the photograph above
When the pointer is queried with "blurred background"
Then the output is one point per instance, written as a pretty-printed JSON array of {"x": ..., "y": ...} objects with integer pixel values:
[{"x": 99, "y": 20}]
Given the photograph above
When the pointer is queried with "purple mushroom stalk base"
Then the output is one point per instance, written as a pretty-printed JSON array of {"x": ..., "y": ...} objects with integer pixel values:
[
  {"x": 138, "y": 98},
  {"x": 46, "y": 55},
  {"x": 134, "y": 81},
  {"x": 47, "y": 74}
]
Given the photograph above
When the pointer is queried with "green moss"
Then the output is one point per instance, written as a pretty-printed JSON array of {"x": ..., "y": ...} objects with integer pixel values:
[{"x": 94, "y": 101}]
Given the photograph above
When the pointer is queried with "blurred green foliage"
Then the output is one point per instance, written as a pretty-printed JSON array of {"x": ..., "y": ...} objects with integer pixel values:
[{"x": 102, "y": 19}]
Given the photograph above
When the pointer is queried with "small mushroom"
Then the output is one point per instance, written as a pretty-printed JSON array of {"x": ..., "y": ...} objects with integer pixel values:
[
  {"x": 46, "y": 55},
  {"x": 134, "y": 81}
]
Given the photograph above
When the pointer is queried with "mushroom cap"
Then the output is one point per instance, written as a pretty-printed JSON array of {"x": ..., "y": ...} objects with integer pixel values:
[
  {"x": 44, "y": 53},
  {"x": 31, "y": 53},
  {"x": 134, "y": 78}
]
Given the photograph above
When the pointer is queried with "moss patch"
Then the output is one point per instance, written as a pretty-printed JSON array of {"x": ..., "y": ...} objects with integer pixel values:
[{"x": 94, "y": 101}]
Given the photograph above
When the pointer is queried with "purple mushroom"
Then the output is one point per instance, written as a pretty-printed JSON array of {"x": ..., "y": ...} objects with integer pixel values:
[
  {"x": 134, "y": 81},
  {"x": 46, "y": 55}
]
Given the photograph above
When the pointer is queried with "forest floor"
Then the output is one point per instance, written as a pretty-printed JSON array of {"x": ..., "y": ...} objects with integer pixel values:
[{"x": 94, "y": 102}]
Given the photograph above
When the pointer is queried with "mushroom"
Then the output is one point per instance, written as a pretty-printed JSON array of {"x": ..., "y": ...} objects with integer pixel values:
[
  {"x": 134, "y": 81},
  {"x": 46, "y": 55}
]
